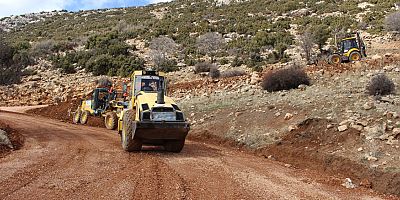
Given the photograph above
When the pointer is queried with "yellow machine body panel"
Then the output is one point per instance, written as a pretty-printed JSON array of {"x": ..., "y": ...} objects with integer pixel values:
[
  {"x": 151, "y": 117},
  {"x": 347, "y": 54},
  {"x": 87, "y": 106}
]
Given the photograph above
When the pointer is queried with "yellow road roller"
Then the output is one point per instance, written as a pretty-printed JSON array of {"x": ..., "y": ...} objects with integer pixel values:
[{"x": 151, "y": 117}]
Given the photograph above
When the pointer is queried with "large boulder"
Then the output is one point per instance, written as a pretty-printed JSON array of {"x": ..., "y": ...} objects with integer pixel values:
[{"x": 4, "y": 140}]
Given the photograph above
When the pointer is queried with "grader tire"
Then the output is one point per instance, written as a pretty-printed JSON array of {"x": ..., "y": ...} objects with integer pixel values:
[
  {"x": 77, "y": 116},
  {"x": 111, "y": 120},
  {"x": 175, "y": 146},
  {"x": 128, "y": 130},
  {"x": 84, "y": 117}
]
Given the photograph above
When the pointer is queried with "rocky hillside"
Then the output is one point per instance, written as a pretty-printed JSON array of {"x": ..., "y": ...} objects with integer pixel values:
[
  {"x": 62, "y": 53},
  {"x": 256, "y": 32}
]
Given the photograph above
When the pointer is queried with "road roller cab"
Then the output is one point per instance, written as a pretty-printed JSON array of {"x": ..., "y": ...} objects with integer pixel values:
[{"x": 151, "y": 118}]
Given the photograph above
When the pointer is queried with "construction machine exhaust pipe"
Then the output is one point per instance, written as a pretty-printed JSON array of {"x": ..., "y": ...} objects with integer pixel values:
[{"x": 160, "y": 96}]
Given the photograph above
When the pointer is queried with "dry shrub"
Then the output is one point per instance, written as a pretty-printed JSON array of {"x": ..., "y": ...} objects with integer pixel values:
[
  {"x": 380, "y": 84},
  {"x": 232, "y": 73},
  {"x": 392, "y": 21},
  {"x": 285, "y": 79},
  {"x": 214, "y": 72},
  {"x": 203, "y": 67}
]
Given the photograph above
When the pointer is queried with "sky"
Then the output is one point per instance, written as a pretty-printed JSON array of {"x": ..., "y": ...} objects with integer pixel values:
[{"x": 18, "y": 7}]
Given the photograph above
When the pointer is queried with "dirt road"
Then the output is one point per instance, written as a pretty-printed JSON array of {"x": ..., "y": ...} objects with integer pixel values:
[{"x": 64, "y": 161}]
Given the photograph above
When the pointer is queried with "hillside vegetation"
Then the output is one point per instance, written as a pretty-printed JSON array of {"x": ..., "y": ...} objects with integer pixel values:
[{"x": 255, "y": 32}]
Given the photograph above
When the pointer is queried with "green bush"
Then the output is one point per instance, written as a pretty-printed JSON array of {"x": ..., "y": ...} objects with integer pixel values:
[
  {"x": 190, "y": 61},
  {"x": 320, "y": 33},
  {"x": 68, "y": 62},
  {"x": 118, "y": 48},
  {"x": 101, "y": 41},
  {"x": 224, "y": 61},
  {"x": 10, "y": 68},
  {"x": 168, "y": 65},
  {"x": 23, "y": 57},
  {"x": 105, "y": 64},
  {"x": 100, "y": 64},
  {"x": 22, "y": 45},
  {"x": 125, "y": 65},
  {"x": 6, "y": 54},
  {"x": 237, "y": 62},
  {"x": 255, "y": 60}
]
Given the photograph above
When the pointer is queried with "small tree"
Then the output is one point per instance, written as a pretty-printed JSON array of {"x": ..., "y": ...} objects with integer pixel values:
[
  {"x": 320, "y": 34},
  {"x": 162, "y": 47},
  {"x": 210, "y": 44},
  {"x": 392, "y": 22},
  {"x": 307, "y": 43}
]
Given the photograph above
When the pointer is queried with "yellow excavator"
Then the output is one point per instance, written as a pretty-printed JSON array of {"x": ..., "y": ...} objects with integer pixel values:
[
  {"x": 151, "y": 118},
  {"x": 349, "y": 49}
]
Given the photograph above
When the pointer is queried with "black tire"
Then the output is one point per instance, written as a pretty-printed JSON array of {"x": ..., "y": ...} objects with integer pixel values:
[
  {"x": 175, "y": 146},
  {"x": 77, "y": 116},
  {"x": 335, "y": 59},
  {"x": 84, "y": 116},
  {"x": 128, "y": 130},
  {"x": 111, "y": 120},
  {"x": 355, "y": 56}
]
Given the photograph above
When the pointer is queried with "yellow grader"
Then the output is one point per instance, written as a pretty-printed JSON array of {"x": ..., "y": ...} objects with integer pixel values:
[
  {"x": 151, "y": 118},
  {"x": 104, "y": 103}
]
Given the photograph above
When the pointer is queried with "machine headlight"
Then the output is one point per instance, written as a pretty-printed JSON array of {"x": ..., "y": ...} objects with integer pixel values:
[
  {"x": 164, "y": 116},
  {"x": 146, "y": 115},
  {"x": 179, "y": 116}
]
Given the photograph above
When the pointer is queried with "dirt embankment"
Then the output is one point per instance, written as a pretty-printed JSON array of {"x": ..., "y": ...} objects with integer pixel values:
[
  {"x": 313, "y": 146},
  {"x": 64, "y": 112},
  {"x": 16, "y": 139}
]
